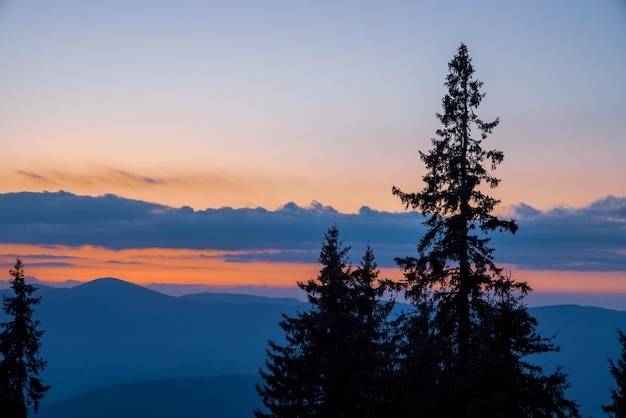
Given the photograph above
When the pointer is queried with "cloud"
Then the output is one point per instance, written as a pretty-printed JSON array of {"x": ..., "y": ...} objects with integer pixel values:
[
  {"x": 293, "y": 233},
  {"x": 59, "y": 211},
  {"x": 582, "y": 239},
  {"x": 270, "y": 256},
  {"x": 32, "y": 175},
  {"x": 51, "y": 264},
  {"x": 107, "y": 177},
  {"x": 591, "y": 238},
  {"x": 113, "y": 178},
  {"x": 41, "y": 256},
  {"x": 123, "y": 262},
  {"x": 141, "y": 179}
]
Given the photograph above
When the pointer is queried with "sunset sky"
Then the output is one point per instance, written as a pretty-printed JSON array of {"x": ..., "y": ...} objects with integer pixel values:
[{"x": 255, "y": 104}]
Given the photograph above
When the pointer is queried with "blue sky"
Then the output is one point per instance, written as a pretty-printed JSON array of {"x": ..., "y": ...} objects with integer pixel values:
[{"x": 247, "y": 103}]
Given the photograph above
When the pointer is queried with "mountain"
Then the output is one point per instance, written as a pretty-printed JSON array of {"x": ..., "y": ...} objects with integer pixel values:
[
  {"x": 216, "y": 397},
  {"x": 110, "y": 332},
  {"x": 239, "y": 298},
  {"x": 586, "y": 336}
]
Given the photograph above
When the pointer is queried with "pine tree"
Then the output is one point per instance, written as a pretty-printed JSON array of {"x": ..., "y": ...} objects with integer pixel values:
[
  {"x": 617, "y": 407},
  {"x": 20, "y": 364},
  {"x": 336, "y": 354},
  {"x": 471, "y": 315},
  {"x": 373, "y": 335},
  {"x": 414, "y": 388}
]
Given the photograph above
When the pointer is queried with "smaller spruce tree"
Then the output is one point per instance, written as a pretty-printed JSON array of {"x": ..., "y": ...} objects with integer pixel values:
[
  {"x": 20, "y": 364},
  {"x": 374, "y": 359},
  {"x": 336, "y": 354},
  {"x": 617, "y": 407}
]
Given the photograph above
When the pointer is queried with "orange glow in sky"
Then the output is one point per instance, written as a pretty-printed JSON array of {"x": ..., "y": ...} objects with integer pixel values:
[
  {"x": 152, "y": 265},
  {"x": 273, "y": 188},
  {"x": 574, "y": 281},
  {"x": 176, "y": 266}
]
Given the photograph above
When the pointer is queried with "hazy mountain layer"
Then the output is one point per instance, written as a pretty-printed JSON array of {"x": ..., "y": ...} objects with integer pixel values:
[{"x": 108, "y": 332}]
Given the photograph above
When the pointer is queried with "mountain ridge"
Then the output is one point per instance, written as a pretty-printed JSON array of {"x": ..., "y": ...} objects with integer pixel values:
[{"x": 109, "y": 332}]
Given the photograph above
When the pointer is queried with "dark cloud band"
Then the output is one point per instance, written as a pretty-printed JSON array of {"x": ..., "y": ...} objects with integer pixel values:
[{"x": 583, "y": 239}]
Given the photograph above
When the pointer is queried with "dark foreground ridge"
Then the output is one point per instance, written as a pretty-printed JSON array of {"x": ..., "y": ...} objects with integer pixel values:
[{"x": 217, "y": 397}]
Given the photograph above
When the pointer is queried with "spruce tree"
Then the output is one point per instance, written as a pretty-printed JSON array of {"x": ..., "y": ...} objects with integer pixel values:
[
  {"x": 336, "y": 353},
  {"x": 617, "y": 407},
  {"x": 474, "y": 332},
  {"x": 373, "y": 333},
  {"x": 20, "y": 364}
]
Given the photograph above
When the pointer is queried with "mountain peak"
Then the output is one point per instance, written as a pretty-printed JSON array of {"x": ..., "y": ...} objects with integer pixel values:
[{"x": 110, "y": 286}]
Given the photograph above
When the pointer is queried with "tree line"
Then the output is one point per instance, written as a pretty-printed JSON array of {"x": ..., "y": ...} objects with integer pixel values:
[{"x": 462, "y": 349}]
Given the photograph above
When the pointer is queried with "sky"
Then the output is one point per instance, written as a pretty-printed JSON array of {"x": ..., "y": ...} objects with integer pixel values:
[{"x": 274, "y": 106}]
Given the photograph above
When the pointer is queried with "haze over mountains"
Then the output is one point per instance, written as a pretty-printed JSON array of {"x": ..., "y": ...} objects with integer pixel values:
[{"x": 110, "y": 332}]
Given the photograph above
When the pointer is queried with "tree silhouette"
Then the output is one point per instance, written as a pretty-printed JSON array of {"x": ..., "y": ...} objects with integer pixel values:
[
  {"x": 336, "y": 353},
  {"x": 617, "y": 407},
  {"x": 373, "y": 358},
  {"x": 20, "y": 386},
  {"x": 472, "y": 320}
]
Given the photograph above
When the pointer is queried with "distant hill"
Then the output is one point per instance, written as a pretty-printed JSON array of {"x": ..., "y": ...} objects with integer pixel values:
[
  {"x": 108, "y": 332},
  {"x": 239, "y": 298},
  {"x": 215, "y": 397},
  {"x": 586, "y": 336}
]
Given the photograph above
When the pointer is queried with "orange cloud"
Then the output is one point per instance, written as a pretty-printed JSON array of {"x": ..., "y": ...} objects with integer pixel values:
[
  {"x": 111, "y": 177},
  {"x": 198, "y": 189}
]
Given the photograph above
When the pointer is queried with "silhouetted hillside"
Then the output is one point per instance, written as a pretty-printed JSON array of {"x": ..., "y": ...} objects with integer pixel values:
[
  {"x": 586, "y": 335},
  {"x": 108, "y": 332},
  {"x": 115, "y": 290},
  {"x": 239, "y": 298},
  {"x": 215, "y": 397}
]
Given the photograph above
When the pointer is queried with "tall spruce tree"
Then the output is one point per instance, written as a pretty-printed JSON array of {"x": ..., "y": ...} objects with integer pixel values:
[
  {"x": 20, "y": 364},
  {"x": 337, "y": 352},
  {"x": 617, "y": 407},
  {"x": 473, "y": 333}
]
